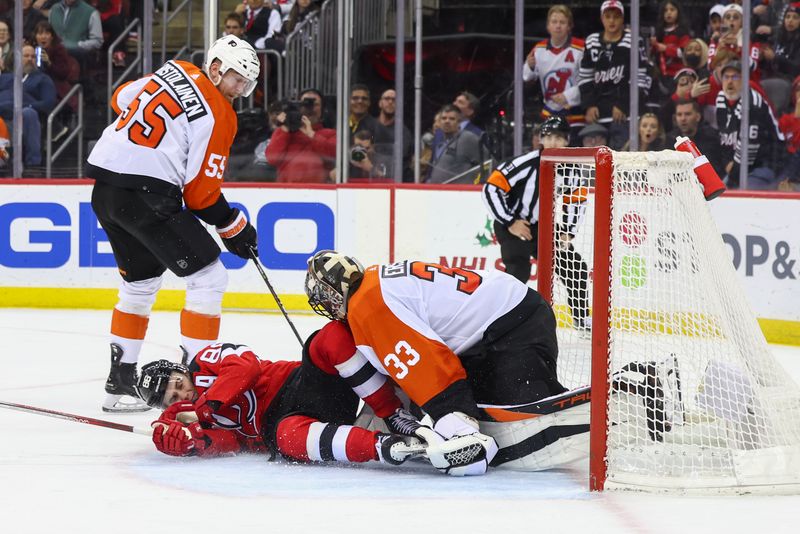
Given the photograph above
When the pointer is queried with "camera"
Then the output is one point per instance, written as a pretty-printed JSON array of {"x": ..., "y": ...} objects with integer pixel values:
[
  {"x": 358, "y": 153},
  {"x": 295, "y": 110}
]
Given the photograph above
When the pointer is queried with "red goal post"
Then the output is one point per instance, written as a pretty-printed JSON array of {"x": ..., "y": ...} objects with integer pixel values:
[{"x": 601, "y": 159}]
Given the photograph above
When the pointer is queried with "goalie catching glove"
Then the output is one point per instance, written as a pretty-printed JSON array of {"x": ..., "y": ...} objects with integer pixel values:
[
  {"x": 465, "y": 452},
  {"x": 239, "y": 236}
]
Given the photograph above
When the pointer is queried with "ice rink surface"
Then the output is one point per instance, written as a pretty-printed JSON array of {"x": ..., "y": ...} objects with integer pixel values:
[{"x": 64, "y": 477}]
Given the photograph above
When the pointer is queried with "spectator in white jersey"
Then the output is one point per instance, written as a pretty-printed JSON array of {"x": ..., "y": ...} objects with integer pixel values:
[
  {"x": 555, "y": 62},
  {"x": 605, "y": 80},
  {"x": 169, "y": 147},
  {"x": 511, "y": 194}
]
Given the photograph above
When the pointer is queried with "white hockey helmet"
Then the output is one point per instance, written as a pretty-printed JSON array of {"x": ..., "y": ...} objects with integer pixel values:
[
  {"x": 330, "y": 279},
  {"x": 237, "y": 54}
]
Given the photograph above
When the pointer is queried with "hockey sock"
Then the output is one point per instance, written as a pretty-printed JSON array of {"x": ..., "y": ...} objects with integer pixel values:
[
  {"x": 198, "y": 331},
  {"x": 307, "y": 439},
  {"x": 128, "y": 331}
]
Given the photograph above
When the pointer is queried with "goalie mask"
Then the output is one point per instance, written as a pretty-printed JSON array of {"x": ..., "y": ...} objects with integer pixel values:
[
  {"x": 154, "y": 378},
  {"x": 330, "y": 280}
]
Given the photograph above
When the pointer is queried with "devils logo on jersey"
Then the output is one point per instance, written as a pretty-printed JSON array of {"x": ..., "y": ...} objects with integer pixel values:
[
  {"x": 240, "y": 415},
  {"x": 557, "y": 81}
]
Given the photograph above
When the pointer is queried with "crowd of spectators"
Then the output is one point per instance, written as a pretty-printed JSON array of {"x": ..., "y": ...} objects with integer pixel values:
[
  {"x": 689, "y": 84},
  {"x": 64, "y": 41}
]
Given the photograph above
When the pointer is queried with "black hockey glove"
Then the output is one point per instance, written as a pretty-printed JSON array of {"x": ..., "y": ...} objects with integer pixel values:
[{"x": 239, "y": 236}]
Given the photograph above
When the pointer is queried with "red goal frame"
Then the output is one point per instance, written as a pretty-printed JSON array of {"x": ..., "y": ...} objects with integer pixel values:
[{"x": 602, "y": 159}]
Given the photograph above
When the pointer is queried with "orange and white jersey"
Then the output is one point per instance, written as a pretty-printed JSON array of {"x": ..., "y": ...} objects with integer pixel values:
[
  {"x": 411, "y": 319},
  {"x": 173, "y": 125}
]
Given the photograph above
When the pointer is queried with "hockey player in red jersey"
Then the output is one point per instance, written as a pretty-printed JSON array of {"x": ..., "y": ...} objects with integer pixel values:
[
  {"x": 167, "y": 148},
  {"x": 449, "y": 338},
  {"x": 228, "y": 400}
]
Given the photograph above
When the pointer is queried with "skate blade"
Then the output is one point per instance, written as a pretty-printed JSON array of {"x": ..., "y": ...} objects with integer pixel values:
[{"x": 123, "y": 404}]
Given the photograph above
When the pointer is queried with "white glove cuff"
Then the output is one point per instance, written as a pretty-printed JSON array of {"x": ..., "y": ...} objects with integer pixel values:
[
  {"x": 236, "y": 226},
  {"x": 456, "y": 424}
]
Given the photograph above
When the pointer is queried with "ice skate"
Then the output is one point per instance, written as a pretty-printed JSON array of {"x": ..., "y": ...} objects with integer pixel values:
[
  {"x": 394, "y": 449},
  {"x": 122, "y": 397}
]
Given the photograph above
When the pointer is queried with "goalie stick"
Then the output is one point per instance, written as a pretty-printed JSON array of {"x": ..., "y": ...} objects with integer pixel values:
[{"x": 76, "y": 418}]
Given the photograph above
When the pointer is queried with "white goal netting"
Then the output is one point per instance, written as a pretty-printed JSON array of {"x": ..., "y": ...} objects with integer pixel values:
[{"x": 696, "y": 399}]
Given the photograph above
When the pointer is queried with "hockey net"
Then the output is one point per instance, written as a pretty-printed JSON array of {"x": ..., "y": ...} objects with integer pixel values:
[{"x": 686, "y": 394}]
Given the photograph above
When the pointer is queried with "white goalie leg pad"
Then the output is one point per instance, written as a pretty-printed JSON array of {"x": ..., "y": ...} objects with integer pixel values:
[
  {"x": 205, "y": 288},
  {"x": 541, "y": 442},
  {"x": 137, "y": 298}
]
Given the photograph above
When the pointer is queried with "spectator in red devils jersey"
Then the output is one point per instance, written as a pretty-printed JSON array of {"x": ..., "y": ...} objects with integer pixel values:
[
  {"x": 555, "y": 63},
  {"x": 228, "y": 400},
  {"x": 168, "y": 147},
  {"x": 670, "y": 39},
  {"x": 731, "y": 37},
  {"x": 449, "y": 337}
]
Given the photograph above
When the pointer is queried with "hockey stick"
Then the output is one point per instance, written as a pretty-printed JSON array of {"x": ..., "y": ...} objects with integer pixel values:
[
  {"x": 274, "y": 295},
  {"x": 76, "y": 418}
]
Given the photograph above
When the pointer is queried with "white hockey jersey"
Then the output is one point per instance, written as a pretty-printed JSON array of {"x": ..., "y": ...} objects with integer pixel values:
[
  {"x": 412, "y": 318},
  {"x": 172, "y": 125},
  {"x": 557, "y": 72}
]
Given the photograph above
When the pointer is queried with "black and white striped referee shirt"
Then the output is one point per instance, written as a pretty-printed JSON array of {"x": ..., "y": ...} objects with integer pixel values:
[{"x": 512, "y": 190}]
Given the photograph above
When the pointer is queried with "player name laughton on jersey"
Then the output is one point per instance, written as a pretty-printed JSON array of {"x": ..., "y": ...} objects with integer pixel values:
[{"x": 191, "y": 102}]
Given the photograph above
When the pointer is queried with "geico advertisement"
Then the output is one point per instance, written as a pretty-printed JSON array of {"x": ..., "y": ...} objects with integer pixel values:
[{"x": 50, "y": 237}]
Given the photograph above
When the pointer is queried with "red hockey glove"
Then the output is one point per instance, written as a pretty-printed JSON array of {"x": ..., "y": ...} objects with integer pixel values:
[
  {"x": 205, "y": 410},
  {"x": 239, "y": 236},
  {"x": 178, "y": 411},
  {"x": 176, "y": 439}
]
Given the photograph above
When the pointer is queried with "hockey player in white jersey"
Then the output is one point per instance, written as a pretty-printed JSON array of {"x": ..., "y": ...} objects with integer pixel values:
[
  {"x": 168, "y": 147},
  {"x": 450, "y": 338}
]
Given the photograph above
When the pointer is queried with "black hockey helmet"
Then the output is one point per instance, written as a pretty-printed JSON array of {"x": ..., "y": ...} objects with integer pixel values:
[
  {"x": 330, "y": 279},
  {"x": 555, "y": 125},
  {"x": 153, "y": 380}
]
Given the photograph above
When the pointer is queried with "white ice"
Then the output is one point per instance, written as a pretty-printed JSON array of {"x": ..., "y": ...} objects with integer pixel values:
[{"x": 62, "y": 477}]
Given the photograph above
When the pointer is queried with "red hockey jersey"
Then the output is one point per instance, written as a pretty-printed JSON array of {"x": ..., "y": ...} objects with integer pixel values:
[{"x": 245, "y": 385}]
